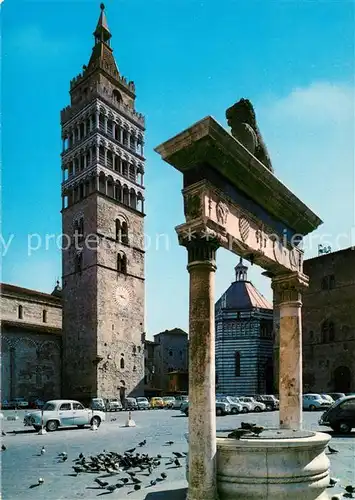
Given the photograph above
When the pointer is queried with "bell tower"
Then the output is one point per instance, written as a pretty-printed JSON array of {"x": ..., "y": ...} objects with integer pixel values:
[{"x": 103, "y": 230}]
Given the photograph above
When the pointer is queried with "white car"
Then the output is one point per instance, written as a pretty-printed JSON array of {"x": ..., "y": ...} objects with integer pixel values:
[
  {"x": 63, "y": 412},
  {"x": 255, "y": 405},
  {"x": 315, "y": 402},
  {"x": 246, "y": 407}
]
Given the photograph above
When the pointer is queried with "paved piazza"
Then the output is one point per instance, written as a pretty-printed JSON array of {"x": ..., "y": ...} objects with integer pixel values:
[{"x": 22, "y": 463}]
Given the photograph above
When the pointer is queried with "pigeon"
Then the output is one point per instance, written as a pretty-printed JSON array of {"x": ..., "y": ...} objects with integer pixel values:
[
  {"x": 336, "y": 497},
  {"x": 332, "y": 482},
  {"x": 164, "y": 475},
  {"x": 178, "y": 455},
  {"x": 3, "y": 447},
  {"x": 137, "y": 487},
  {"x": 348, "y": 495},
  {"x": 177, "y": 463},
  {"x": 40, "y": 480},
  {"x": 169, "y": 443},
  {"x": 64, "y": 458},
  {"x": 153, "y": 482},
  {"x": 239, "y": 433},
  {"x": 111, "y": 487},
  {"x": 350, "y": 489},
  {"x": 102, "y": 484},
  {"x": 125, "y": 480},
  {"x": 113, "y": 420},
  {"x": 142, "y": 443},
  {"x": 130, "y": 451},
  {"x": 81, "y": 455},
  {"x": 247, "y": 426},
  {"x": 43, "y": 450},
  {"x": 332, "y": 450}
]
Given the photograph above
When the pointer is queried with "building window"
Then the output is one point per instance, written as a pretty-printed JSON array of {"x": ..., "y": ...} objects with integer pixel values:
[
  {"x": 122, "y": 363},
  {"x": 134, "y": 368},
  {"x": 124, "y": 233},
  {"x": 237, "y": 364},
  {"x": 328, "y": 331},
  {"x": 121, "y": 263},
  {"x": 20, "y": 312},
  {"x": 44, "y": 316},
  {"x": 170, "y": 352},
  {"x": 328, "y": 282},
  {"x": 118, "y": 230},
  {"x": 134, "y": 350}
]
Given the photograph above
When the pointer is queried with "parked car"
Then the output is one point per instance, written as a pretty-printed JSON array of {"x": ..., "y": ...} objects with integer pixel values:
[
  {"x": 257, "y": 406},
  {"x": 98, "y": 404},
  {"x": 143, "y": 404},
  {"x": 270, "y": 401},
  {"x": 156, "y": 403},
  {"x": 169, "y": 402},
  {"x": 327, "y": 397},
  {"x": 130, "y": 404},
  {"x": 179, "y": 400},
  {"x": 340, "y": 416},
  {"x": 235, "y": 407},
  {"x": 221, "y": 408},
  {"x": 246, "y": 407},
  {"x": 62, "y": 413},
  {"x": 336, "y": 395},
  {"x": 19, "y": 403},
  {"x": 314, "y": 402},
  {"x": 113, "y": 405}
]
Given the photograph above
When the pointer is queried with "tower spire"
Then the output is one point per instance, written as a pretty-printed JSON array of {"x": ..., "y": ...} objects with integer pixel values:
[
  {"x": 102, "y": 32},
  {"x": 102, "y": 56}
]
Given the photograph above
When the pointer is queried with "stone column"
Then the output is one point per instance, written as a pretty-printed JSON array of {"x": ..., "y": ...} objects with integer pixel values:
[
  {"x": 202, "y": 403},
  {"x": 287, "y": 289}
]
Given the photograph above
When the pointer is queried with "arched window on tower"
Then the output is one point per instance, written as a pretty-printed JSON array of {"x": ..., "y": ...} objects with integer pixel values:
[
  {"x": 122, "y": 363},
  {"x": 118, "y": 230},
  {"x": 237, "y": 364},
  {"x": 124, "y": 233},
  {"x": 44, "y": 316},
  {"x": 121, "y": 263},
  {"x": 116, "y": 95},
  {"x": 20, "y": 312}
]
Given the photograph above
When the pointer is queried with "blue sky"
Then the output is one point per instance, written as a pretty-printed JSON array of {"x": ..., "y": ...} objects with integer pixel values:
[{"x": 293, "y": 59}]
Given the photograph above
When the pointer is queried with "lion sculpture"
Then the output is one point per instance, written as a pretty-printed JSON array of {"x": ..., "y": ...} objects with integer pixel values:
[{"x": 241, "y": 118}]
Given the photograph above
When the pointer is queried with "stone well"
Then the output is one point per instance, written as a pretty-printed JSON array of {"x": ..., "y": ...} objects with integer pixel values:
[{"x": 282, "y": 465}]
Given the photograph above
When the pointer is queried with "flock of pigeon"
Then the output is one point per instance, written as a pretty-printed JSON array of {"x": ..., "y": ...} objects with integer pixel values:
[
  {"x": 129, "y": 469},
  {"x": 349, "y": 490}
]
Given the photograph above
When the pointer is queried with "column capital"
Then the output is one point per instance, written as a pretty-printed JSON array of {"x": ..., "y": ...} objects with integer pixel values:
[
  {"x": 288, "y": 287},
  {"x": 201, "y": 247}
]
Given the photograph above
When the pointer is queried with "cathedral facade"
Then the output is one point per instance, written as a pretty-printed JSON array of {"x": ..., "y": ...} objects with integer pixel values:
[{"x": 103, "y": 228}]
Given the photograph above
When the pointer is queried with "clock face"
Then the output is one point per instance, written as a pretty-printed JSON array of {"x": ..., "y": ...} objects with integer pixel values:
[{"x": 123, "y": 295}]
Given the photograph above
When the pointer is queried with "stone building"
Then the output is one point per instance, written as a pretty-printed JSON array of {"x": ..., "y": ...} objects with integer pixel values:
[
  {"x": 31, "y": 343},
  {"x": 244, "y": 339},
  {"x": 103, "y": 227},
  {"x": 167, "y": 363},
  {"x": 329, "y": 323}
]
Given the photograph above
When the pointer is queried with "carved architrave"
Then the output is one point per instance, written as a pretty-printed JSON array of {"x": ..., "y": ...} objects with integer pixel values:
[
  {"x": 261, "y": 238},
  {"x": 294, "y": 259},
  {"x": 192, "y": 206},
  {"x": 222, "y": 212},
  {"x": 244, "y": 228},
  {"x": 278, "y": 250}
]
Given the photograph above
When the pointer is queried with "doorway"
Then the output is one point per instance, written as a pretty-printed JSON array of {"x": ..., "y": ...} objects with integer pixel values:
[{"x": 342, "y": 379}]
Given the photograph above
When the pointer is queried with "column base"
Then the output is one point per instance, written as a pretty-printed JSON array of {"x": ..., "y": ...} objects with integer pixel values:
[{"x": 202, "y": 494}]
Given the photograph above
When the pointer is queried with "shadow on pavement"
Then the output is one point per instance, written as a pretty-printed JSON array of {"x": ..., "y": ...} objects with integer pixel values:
[
  {"x": 339, "y": 434},
  {"x": 179, "y": 416},
  {"x": 172, "y": 495}
]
